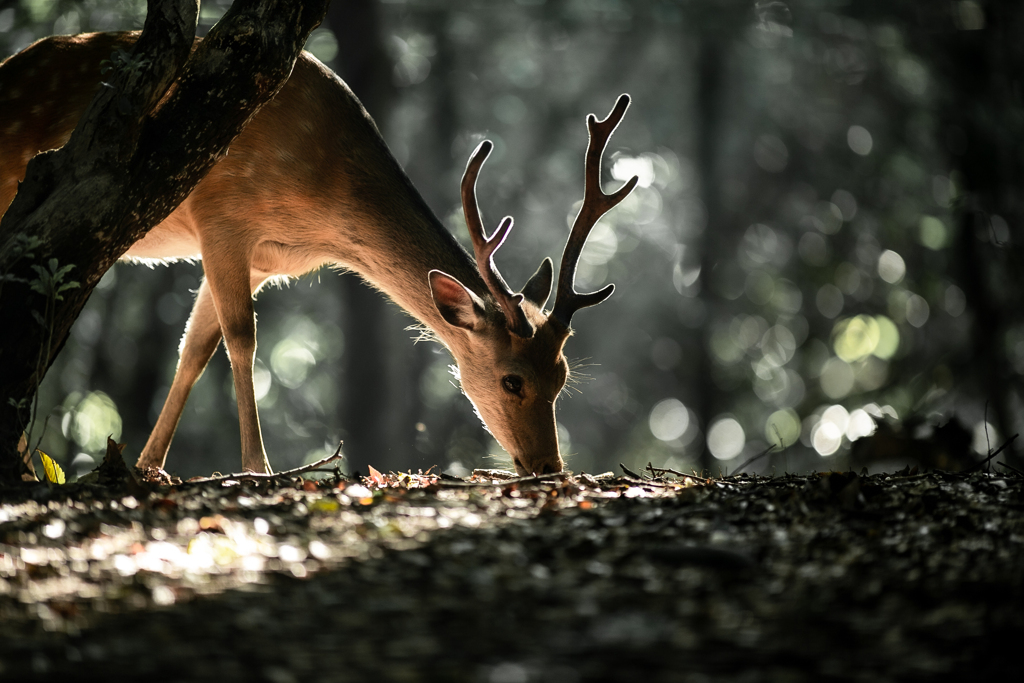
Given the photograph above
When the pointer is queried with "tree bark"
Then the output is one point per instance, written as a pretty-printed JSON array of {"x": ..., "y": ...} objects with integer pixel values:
[{"x": 130, "y": 162}]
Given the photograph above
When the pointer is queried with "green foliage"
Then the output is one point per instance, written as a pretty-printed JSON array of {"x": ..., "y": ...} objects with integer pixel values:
[
  {"x": 122, "y": 62},
  {"x": 50, "y": 282}
]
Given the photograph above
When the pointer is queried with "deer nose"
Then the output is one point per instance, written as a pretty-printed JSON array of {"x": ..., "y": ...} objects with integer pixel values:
[{"x": 544, "y": 468}]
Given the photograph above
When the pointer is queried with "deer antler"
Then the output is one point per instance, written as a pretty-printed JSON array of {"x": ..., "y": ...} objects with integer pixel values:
[
  {"x": 595, "y": 204},
  {"x": 484, "y": 246}
]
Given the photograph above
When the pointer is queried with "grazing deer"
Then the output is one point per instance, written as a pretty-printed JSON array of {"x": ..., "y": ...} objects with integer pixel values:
[{"x": 310, "y": 182}]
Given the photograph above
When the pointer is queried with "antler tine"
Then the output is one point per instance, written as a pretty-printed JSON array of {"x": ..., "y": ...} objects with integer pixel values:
[
  {"x": 484, "y": 247},
  {"x": 595, "y": 204}
]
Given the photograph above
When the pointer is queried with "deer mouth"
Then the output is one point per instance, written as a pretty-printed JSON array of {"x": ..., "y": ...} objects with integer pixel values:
[{"x": 545, "y": 468}]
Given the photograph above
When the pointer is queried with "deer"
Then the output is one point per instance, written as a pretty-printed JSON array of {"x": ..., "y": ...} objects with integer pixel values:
[{"x": 310, "y": 182}]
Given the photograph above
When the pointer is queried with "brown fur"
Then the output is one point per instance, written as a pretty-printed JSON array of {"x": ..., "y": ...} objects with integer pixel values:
[{"x": 309, "y": 182}]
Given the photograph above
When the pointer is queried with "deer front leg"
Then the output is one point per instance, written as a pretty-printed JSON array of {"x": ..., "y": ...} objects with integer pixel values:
[
  {"x": 230, "y": 285},
  {"x": 202, "y": 334}
]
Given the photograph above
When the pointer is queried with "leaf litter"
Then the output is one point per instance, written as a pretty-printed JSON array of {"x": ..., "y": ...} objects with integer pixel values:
[{"x": 494, "y": 577}]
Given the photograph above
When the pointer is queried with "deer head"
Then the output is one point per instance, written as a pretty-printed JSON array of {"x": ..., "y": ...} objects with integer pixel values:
[{"x": 510, "y": 348}]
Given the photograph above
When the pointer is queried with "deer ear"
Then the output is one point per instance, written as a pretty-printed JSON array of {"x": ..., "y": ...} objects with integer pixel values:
[
  {"x": 538, "y": 287},
  {"x": 456, "y": 304}
]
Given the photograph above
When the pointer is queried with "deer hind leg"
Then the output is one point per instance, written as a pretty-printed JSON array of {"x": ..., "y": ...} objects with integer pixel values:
[
  {"x": 202, "y": 334},
  {"x": 229, "y": 278}
]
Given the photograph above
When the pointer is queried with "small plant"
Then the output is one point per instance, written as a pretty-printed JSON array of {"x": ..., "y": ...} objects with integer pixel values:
[
  {"x": 23, "y": 246},
  {"x": 51, "y": 282},
  {"x": 121, "y": 62}
]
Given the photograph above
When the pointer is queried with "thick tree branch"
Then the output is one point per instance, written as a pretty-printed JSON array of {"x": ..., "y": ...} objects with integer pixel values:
[{"x": 134, "y": 156}]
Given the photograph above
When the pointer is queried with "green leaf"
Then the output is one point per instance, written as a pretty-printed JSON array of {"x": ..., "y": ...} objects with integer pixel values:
[
  {"x": 54, "y": 474},
  {"x": 59, "y": 274}
]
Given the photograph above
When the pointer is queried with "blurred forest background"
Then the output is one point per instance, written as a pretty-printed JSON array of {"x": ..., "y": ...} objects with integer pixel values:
[{"x": 825, "y": 236}]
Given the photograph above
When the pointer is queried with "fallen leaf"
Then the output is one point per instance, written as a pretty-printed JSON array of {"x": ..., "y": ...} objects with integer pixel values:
[
  {"x": 215, "y": 523},
  {"x": 54, "y": 474}
]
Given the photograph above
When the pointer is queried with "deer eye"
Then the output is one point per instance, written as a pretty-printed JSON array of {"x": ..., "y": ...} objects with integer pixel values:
[{"x": 513, "y": 384}]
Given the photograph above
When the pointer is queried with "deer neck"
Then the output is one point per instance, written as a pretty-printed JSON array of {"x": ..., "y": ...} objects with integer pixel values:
[{"x": 410, "y": 242}]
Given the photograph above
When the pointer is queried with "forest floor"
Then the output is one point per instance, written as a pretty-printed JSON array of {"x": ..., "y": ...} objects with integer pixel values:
[{"x": 562, "y": 578}]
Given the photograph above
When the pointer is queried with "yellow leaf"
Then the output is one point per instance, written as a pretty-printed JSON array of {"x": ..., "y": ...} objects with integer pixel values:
[
  {"x": 54, "y": 474},
  {"x": 325, "y": 505}
]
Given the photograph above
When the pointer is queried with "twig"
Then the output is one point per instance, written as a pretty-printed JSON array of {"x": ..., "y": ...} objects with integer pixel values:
[
  {"x": 630, "y": 472},
  {"x": 333, "y": 470},
  {"x": 651, "y": 483},
  {"x": 755, "y": 458},
  {"x": 669, "y": 470},
  {"x": 988, "y": 441},
  {"x": 1011, "y": 467},
  {"x": 270, "y": 477},
  {"x": 999, "y": 450},
  {"x": 533, "y": 478}
]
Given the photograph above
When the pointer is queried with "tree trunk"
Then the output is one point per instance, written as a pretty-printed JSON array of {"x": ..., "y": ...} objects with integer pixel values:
[
  {"x": 981, "y": 105},
  {"x": 710, "y": 77},
  {"x": 365, "y": 396},
  {"x": 124, "y": 170}
]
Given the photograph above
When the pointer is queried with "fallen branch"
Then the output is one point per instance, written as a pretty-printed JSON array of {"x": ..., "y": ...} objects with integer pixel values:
[
  {"x": 1011, "y": 468},
  {"x": 270, "y": 477},
  {"x": 630, "y": 473},
  {"x": 533, "y": 478},
  {"x": 639, "y": 481},
  {"x": 986, "y": 461},
  {"x": 755, "y": 458},
  {"x": 658, "y": 471}
]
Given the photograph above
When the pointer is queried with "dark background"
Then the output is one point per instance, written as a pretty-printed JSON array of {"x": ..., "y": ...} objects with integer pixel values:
[{"x": 826, "y": 234}]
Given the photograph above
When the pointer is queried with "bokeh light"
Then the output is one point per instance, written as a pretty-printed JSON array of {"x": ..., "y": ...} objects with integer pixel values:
[
  {"x": 827, "y": 435},
  {"x": 891, "y": 267},
  {"x": 726, "y": 438},
  {"x": 859, "y": 140},
  {"x": 90, "y": 420},
  {"x": 669, "y": 419}
]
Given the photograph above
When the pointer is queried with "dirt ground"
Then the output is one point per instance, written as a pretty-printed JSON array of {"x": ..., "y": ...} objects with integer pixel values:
[{"x": 827, "y": 577}]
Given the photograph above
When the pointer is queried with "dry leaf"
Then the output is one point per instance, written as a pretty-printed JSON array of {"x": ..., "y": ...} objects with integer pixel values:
[{"x": 54, "y": 474}]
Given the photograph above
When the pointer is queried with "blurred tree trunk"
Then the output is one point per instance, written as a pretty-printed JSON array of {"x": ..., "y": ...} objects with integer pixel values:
[
  {"x": 711, "y": 77},
  {"x": 981, "y": 126},
  {"x": 124, "y": 170},
  {"x": 432, "y": 157},
  {"x": 134, "y": 386},
  {"x": 362, "y": 62}
]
